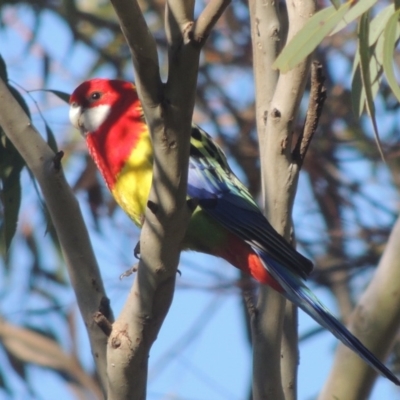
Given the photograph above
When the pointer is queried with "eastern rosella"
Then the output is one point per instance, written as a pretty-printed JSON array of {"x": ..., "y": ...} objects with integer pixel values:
[{"x": 226, "y": 223}]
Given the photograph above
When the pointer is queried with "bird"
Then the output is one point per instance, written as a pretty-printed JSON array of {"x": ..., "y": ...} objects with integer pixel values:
[{"x": 226, "y": 222}]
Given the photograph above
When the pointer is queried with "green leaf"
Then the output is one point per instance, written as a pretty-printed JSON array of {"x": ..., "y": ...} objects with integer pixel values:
[
  {"x": 11, "y": 199},
  {"x": 358, "y": 9},
  {"x": 3, "y": 70},
  {"x": 375, "y": 71},
  {"x": 358, "y": 97},
  {"x": 357, "y": 92},
  {"x": 11, "y": 161},
  {"x": 310, "y": 36},
  {"x": 378, "y": 24},
  {"x": 378, "y": 50},
  {"x": 62, "y": 95},
  {"x": 51, "y": 141},
  {"x": 336, "y": 3},
  {"x": 11, "y": 164},
  {"x": 365, "y": 55},
  {"x": 390, "y": 37},
  {"x": 46, "y": 68}
]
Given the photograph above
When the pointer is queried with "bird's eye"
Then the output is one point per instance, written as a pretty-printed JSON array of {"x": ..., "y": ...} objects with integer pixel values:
[{"x": 95, "y": 96}]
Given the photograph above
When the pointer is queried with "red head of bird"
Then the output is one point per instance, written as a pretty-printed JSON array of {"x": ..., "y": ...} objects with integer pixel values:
[{"x": 109, "y": 115}]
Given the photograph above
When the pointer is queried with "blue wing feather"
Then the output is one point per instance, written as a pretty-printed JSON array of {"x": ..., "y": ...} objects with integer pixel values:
[
  {"x": 227, "y": 200},
  {"x": 223, "y": 197}
]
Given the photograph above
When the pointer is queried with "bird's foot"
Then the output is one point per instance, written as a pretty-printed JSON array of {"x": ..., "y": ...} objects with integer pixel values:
[
  {"x": 192, "y": 204},
  {"x": 128, "y": 272}
]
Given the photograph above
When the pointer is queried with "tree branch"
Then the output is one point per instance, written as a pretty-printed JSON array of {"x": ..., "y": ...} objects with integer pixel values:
[
  {"x": 267, "y": 327},
  {"x": 143, "y": 49},
  {"x": 282, "y": 174},
  {"x": 67, "y": 219},
  {"x": 375, "y": 321},
  {"x": 275, "y": 117},
  {"x": 315, "y": 106},
  {"x": 168, "y": 111},
  {"x": 208, "y": 18}
]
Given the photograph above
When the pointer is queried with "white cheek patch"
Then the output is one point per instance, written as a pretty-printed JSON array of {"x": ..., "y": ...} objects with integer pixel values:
[
  {"x": 92, "y": 118},
  {"x": 89, "y": 119}
]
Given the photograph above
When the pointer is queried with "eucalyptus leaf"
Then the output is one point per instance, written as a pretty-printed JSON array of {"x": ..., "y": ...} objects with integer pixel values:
[
  {"x": 378, "y": 24},
  {"x": 3, "y": 69},
  {"x": 310, "y": 36},
  {"x": 11, "y": 199},
  {"x": 358, "y": 9},
  {"x": 62, "y": 95},
  {"x": 357, "y": 92},
  {"x": 390, "y": 37},
  {"x": 336, "y": 3},
  {"x": 365, "y": 55},
  {"x": 51, "y": 141}
]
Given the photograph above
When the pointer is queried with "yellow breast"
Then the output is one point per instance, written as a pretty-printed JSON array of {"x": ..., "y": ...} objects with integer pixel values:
[{"x": 132, "y": 187}]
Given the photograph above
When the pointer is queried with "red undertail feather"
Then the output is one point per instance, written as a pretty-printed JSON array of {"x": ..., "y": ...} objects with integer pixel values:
[{"x": 241, "y": 255}]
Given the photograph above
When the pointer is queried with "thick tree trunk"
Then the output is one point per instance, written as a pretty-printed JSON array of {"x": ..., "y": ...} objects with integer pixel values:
[{"x": 277, "y": 102}]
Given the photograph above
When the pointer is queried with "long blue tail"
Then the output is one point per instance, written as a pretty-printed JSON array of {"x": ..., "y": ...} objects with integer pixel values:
[
  {"x": 226, "y": 200},
  {"x": 297, "y": 292}
]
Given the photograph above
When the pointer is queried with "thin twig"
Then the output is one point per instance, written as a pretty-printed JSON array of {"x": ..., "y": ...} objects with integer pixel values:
[
  {"x": 103, "y": 323},
  {"x": 168, "y": 110},
  {"x": 208, "y": 18},
  {"x": 317, "y": 100},
  {"x": 143, "y": 48}
]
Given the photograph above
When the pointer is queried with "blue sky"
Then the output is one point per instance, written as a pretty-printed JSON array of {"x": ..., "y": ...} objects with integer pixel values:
[{"x": 201, "y": 352}]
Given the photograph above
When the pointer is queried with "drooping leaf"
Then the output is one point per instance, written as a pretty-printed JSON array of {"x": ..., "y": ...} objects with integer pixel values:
[
  {"x": 11, "y": 164},
  {"x": 51, "y": 230},
  {"x": 49, "y": 224},
  {"x": 11, "y": 199},
  {"x": 358, "y": 9},
  {"x": 390, "y": 37},
  {"x": 365, "y": 55},
  {"x": 32, "y": 347},
  {"x": 46, "y": 67},
  {"x": 310, "y": 36},
  {"x": 375, "y": 71},
  {"x": 62, "y": 95},
  {"x": 378, "y": 23},
  {"x": 3, "y": 70},
  {"x": 10, "y": 160},
  {"x": 377, "y": 52},
  {"x": 18, "y": 366},
  {"x": 357, "y": 91},
  {"x": 4, "y": 383},
  {"x": 29, "y": 346},
  {"x": 336, "y": 3},
  {"x": 51, "y": 141}
]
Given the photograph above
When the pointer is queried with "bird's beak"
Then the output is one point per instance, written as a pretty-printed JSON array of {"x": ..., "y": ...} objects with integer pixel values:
[{"x": 75, "y": 114}]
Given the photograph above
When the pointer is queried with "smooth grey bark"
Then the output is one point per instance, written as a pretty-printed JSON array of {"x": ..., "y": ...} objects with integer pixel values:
[
  {"x": 168, "y": 110},
  {"x": 275, "y": 354},
  {"x": 376, "y": 322},
  {"x": 67, "y": 219}
]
